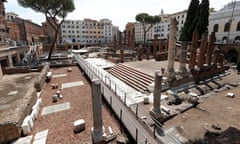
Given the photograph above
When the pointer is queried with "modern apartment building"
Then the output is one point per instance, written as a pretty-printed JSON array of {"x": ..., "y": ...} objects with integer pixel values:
[
  {"x": 161, "y": 29},
  {"x": 87, "y": 31},
  {"x": 226, "y": 23}
]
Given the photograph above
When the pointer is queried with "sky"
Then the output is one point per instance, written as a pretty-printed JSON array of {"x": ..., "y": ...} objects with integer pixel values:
[{"x": 119, "y": 11}]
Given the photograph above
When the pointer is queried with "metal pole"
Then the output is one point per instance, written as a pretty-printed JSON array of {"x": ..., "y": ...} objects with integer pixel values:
[
  {"x": 136, "y": 134},
  {"x": 125, "y": 98},
  {"x": 137, "y": 111},
  {"x": 115, "y": 89}
]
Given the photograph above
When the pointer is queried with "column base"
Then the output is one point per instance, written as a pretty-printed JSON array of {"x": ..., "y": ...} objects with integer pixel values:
[
  {"x": 98, "y": 137},
  {"x": 157, "y": 116}
]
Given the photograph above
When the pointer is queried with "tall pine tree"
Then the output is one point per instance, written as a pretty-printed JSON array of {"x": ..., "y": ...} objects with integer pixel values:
[
  {"x": 203, "y": 21},
  {"x": 192, "y": 15}
]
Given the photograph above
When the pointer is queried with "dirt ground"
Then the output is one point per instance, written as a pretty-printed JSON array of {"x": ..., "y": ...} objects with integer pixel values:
[
  {"x": 60, "y": 124},
  {"x": 215, "y": 119}
]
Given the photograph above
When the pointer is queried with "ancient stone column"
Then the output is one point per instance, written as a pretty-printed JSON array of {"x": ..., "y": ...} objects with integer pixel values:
[
  {"x": 139, "y": 51},
  {"x": 133, "y": 39},
  {"x": 120, "y": 40},
  {"x": 148, "y": 53},
  {"x": 1, "y": 73},
  {"x": 114, "y": 42},
  {"x": 157, "y": 92},
  {"x": 19, "y": 59},
  {"x": 161, "y": 45},
  {"x": 124, "y": 39},
  {"x": 129, "y": 39},
  {"x": 171, "y": 48},
  {"x": 98, "y": 134},
  {"x": 215, "y": 56},
  {"x": 210, "y": 48},
  {"x": 10, "y": 61},
  {"x": 121, "y": 55},
  {"x": 194, "y": 47},
  {"x": 202, "y": 51},
  {"x": 155, "y": 46},
  {"x": 183, "y": 59}
]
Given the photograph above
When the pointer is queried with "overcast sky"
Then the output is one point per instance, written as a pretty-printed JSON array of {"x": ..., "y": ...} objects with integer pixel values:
[{"x": 119, "y": 11}]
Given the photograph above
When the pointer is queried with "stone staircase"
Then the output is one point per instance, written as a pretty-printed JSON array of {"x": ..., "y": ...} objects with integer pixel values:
[{"x": 132, "y": 77}]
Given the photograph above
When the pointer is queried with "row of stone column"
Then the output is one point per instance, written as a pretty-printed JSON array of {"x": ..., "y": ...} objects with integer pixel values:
[
  {"x": 128, "y": 41},
  {"x": 207, "y": 55}
]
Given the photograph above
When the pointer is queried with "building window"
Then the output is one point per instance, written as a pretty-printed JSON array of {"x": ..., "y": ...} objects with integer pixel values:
[
  {"x": 227, "y": 27},
  {"x": 215, "y": 28},
  {"x": 238, "y": 26}
]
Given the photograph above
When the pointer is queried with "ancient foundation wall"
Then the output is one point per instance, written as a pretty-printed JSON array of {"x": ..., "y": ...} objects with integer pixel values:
[{"x": 10, "y": 126}]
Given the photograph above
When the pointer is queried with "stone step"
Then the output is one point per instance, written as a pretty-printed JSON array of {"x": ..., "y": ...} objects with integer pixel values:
[
  {"x": 139, "y": 73},
  {"x": 135, "y": 75},
  {"x": 124, "y": 79},
  {"x": 131, "y": 79}
]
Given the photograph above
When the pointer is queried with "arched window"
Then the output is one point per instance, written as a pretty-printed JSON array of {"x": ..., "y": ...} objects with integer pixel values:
[
  {"x": 238, "y": 26},
  {"x": 215, "y": 28},
  {"x": 227, "y": 27}
]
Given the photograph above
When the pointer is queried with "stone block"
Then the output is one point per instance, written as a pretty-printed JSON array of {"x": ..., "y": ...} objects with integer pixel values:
[
  {"x": 34, "y": 114},
  {"x": 54, "y": 98},
  {"x": 26, "y": 128},
  {"x": 24, "y": 140},
  {"x": 79, "y": 125}
]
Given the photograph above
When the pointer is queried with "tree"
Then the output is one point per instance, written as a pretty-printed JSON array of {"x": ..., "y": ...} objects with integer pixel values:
[
  {"x": 51, "y": 9},
  {"x": 147, "y": 22},
  {"x": 202, "y": 24},
  {"x": 191, "y": 21}
]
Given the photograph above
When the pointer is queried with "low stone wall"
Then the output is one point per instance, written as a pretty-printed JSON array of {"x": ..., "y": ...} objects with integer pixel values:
[
  {"x": 14, "y": 70},
  {"x": 39, "y": 83},
  {"x": 10, "y": 127},
  {"x": 22, "y": 69}
]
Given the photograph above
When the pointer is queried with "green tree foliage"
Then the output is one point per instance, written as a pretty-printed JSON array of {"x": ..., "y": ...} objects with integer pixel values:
[
  {"x": 197, "y": 18},
  {"x": 203, "y": 21},
  {"x": 147, "y": 22},
  {"x": 52, "y": 9},
  {"x": 191, "y": 20}
]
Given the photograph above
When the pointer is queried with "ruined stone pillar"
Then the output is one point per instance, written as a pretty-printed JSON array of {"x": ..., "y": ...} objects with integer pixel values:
[
  {"x": 121, "y": 55},
  {"x": 10, "y": 61},
  {"x": 133, "y": 39},
  {"x": 202, "y": 51},
  {"x": 155, "y": 46},
  {"x": 19, "y": 59},
  {"x": 124, "y": 39},
  {"x": 210, "y": 48},
  {"x": 129, "y": 39},
  {"x": 183, "y": 59},
  {"x": 139, "y": 51},
  {"x": 161, "y": 45},
  {"x": 216, "y": 56},
  {"x": 1, "y": 73},
  {"x": 120, "y": 40},
  {"x": 171, "y": 48},
  {"x": 98, "y": 134},
  {"x": 114, "y": 42},
  {"x": 157, "y": 92},
  {"x": 148, "y": 53},
  {"x": 194, "y": 47}
]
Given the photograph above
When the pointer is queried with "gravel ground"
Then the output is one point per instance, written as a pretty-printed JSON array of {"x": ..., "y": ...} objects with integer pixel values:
[{"x": 60, "y": 124}]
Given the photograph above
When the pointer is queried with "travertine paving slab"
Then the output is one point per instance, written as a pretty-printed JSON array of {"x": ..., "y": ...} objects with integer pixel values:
[
  {"x": 59, "y": 75},
  {"x": 55, "y": 108},
  {"x": 72, "y": 84},
  {"x": 24, "y": 140},
  {"x": 41, "y": 137}
]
